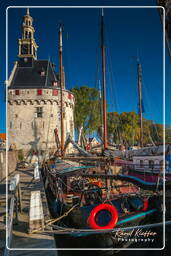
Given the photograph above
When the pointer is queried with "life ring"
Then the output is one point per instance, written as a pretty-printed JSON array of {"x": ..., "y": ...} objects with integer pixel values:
[
  {"x": 114, "y": 216},
  {"x": 145, "y": 205}
]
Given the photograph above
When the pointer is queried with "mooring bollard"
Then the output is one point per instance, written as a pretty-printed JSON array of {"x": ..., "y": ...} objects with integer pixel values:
[{"x": 36, "y": 171}]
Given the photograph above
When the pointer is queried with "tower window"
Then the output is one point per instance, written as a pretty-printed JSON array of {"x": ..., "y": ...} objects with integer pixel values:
[
  {"x": 10, "y": 124},
  {"x": 29, "y": 34},
  {"x": 26, "y": 34},
  {"x": 39, "y": 111},
  {"x": 17, "y": 92},
  {"x": 24, "y": 49},
  {"x": 39, "y": 92}
]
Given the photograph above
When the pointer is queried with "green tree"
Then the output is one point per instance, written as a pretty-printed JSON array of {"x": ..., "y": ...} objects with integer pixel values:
[
  {"x": 156, "y": 131},
  {"x": 123, "y": 128},
  {"x": 168, "y": 134},
  {"x": 87, "y": 111},
  {"x": 113, "y": 122}
]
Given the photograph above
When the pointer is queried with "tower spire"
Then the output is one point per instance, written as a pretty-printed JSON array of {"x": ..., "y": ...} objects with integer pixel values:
[
  {"x": 28, "y": 11},
  {"x": 27, "y": 45}
]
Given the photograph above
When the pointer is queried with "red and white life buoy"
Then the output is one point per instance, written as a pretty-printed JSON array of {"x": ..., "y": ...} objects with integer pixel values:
[{"x": 114, "y": 216}]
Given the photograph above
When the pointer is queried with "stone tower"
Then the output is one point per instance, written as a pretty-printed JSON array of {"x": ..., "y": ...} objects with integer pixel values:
[{"x": 34, "y": 99}]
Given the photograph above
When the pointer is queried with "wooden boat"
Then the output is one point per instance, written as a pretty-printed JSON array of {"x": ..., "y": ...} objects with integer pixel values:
[{"x": 93, "y": 199}]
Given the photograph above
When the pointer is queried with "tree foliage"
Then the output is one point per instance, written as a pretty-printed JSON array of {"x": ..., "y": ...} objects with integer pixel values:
[
  {"x": 86, "y": 114},
  {"x": 122, "y": 128}
]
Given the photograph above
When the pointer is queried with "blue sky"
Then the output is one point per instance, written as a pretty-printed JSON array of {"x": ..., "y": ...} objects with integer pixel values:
[{"x": 128, "y": 32}]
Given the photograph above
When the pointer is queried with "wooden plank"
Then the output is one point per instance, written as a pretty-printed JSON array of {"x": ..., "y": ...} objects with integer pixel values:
[{"x": 36, "y": 218}]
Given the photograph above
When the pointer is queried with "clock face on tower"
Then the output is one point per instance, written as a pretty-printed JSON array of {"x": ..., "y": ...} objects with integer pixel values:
[{"x": 24, "y": 49}]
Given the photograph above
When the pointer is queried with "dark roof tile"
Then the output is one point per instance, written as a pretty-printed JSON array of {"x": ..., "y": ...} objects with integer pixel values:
[{"x": 29, "y": 75}]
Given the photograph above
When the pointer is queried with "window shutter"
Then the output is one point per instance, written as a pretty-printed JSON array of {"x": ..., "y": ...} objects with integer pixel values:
[
  {"x": 55, "y": 92},
  {"x": 17, "y": 92},
  {"x": 39, "y": 92}
]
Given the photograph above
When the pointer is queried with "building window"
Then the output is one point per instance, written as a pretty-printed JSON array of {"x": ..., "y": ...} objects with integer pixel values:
[
  {"x": 39, "y": 111},
  {"x": 151, "y": 164},
  {"x": 10, "y": 124},
  {"x": 17, "y": 92},
  {"x": 141, "y": 163},
  {"x": 39, "y": 92},
  {"x": 55, "y": 92},
  {"x": 20, "y": 125}
]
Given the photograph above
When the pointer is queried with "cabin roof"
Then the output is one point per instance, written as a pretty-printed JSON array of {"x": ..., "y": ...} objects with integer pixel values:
[{"x": 70, "y": 170}]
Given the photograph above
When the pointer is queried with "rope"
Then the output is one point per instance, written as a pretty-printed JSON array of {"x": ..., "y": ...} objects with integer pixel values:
[
  {"x": 72, "y": 230},
  {"x": 51, "y": 221}
]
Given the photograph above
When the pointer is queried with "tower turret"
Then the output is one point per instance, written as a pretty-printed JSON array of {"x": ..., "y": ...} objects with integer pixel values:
[{"x": 27, "y": 45}]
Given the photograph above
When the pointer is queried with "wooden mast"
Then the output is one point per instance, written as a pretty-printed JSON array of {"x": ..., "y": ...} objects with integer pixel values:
[
  {"x": 139, "y": 71},
  {"x": 61, "y": 86},
  {"x": 103, "y": 84}
]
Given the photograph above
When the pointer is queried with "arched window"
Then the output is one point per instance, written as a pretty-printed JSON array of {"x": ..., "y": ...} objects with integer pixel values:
[
  {"x": 27, "y": 22},
  {"x": 26, "y": 34},
  {"x": 151, "y": 164},
  {"x": 29, "y": 34}
]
